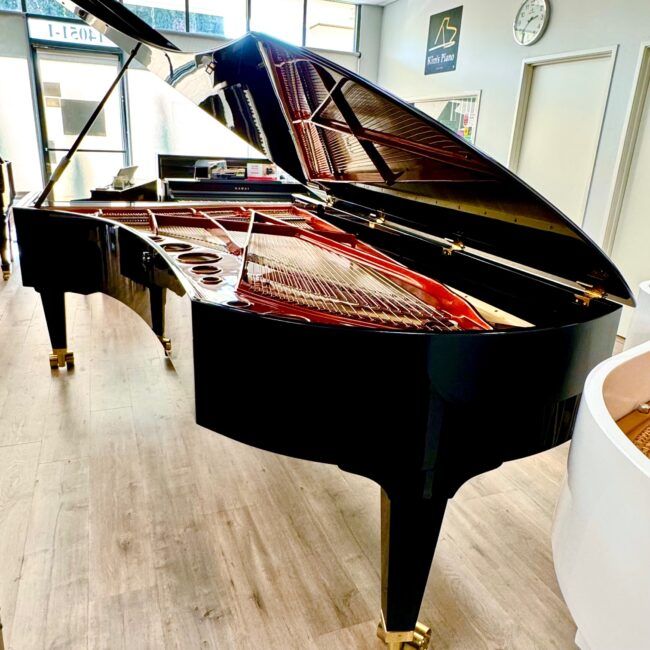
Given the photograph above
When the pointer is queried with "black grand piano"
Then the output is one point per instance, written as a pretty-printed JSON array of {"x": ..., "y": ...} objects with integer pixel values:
[{"x": 421, "y": 314}]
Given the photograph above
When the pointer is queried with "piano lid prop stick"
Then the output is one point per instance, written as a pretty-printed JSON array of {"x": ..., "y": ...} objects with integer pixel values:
[
  {"x": 249, "y": 237},
  {"x": 65, "y": 161}
]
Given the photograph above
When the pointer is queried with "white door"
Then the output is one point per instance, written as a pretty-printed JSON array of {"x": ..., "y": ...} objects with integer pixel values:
[
  {"x": 631, "y": 250},
  {"x": 558, "y": 127}
]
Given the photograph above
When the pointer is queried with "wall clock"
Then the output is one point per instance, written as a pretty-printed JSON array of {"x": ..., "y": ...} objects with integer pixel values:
[{"x": 531, "y": 21}]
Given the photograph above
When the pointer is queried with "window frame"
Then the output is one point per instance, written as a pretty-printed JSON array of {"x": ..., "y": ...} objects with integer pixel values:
[
  {"x": 39, "y": 109},
  {"x": 355, "y": 35}
]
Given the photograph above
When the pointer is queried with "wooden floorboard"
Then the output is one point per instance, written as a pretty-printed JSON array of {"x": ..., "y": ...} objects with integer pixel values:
[{"x": 126, "y": 526}]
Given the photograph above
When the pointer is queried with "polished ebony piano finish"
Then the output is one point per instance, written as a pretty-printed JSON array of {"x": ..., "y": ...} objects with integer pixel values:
[{"x": 419, "y": 412}]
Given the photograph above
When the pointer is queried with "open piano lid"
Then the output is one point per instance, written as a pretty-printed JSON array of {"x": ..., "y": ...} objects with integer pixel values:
[{"x": 329, "y": 127}]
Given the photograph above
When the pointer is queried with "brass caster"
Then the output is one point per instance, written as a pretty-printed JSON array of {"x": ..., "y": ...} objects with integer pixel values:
[
  {"x": 61, "y": 358},
  {"x": 166, "y": 343},
  {"x": 419, "y": 638},
  {"x": 6, "y": 275}
]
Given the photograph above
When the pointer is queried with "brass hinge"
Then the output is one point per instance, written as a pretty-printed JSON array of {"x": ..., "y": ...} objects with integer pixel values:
[
  {"x": 589, "y": 293},
  {"x": 377, "y": 220},
  {"x": 454, "y": 247}
]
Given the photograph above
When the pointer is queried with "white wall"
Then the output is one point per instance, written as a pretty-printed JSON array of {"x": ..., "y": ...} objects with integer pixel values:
[
  {"x": 18, "y": 140},
  {"x": 490, "y": 60}
]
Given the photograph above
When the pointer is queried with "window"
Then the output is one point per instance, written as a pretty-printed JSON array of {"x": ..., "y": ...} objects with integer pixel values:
[
  {"x": 46, "y": 8},
  {"x": 280, "y": 18},
  {"x": 331, "y": 25},
  {"x": 161, "y": 14},
  {"x": 10, "y": 5},
  {"x": 325, "y": 24},
  {"x": 225, "y": 18}
]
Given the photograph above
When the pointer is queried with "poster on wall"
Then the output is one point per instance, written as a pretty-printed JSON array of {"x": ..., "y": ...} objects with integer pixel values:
[
  {"x": 458, "y": 113},
  {"x": 442, "y": 44}
]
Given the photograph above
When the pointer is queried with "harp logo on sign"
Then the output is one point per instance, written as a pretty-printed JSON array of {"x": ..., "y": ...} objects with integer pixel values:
[{"x": 442, "y": 44}]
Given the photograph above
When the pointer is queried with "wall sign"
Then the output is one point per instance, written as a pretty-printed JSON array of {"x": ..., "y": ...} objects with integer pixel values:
[
  {"x": 59, "y": 31},
  {"x": 442, "y": 44}
]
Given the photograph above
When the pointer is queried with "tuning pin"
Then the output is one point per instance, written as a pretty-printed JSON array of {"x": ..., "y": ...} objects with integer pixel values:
[{"x": 644, "y": 408}]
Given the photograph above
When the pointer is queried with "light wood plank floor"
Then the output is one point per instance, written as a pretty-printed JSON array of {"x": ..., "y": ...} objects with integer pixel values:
[{"x": 126, "y": 526}]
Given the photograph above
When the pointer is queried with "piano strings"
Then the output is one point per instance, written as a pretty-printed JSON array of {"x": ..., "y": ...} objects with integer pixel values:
[
  {"x": 297, "y": 271},
  {"x": 292, "y": 263}
]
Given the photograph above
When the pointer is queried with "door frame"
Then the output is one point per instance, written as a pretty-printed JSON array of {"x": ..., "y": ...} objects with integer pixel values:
[
  {"x": 627, "y": 147},
  {"x": 523, "y": 97},
  {"x": 35, "y": 46}
]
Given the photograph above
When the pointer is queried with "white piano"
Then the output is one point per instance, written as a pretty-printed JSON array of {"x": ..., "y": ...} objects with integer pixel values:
[{"x": 601, "y": 533}]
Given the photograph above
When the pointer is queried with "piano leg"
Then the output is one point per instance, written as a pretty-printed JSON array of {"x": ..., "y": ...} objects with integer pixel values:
[
  {"x": 410, "y": 526},
  {"x": 157, "y": 299},
  {"x": 54, "y": 308}
]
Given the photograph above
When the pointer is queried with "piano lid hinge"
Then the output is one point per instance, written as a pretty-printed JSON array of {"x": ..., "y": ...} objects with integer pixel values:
[
  {"x": 376, "y": 219},
  {"x": 589, "y": 293},
  {"x": 453, "y": 246}
]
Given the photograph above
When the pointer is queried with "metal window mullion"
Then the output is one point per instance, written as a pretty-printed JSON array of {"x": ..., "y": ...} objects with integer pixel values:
[
  {"x": 248, "y": 15},
  {"x": 357, "y": 28},
  {"x": 39, "y": 110},
  {"x": 126, "y": 117},
  {"x": 187, "y": 15},
  {"x": 304, "y": 22}
]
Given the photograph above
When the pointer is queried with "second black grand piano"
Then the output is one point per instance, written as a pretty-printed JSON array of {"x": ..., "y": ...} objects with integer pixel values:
[{"x": 422, "y": 307}]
